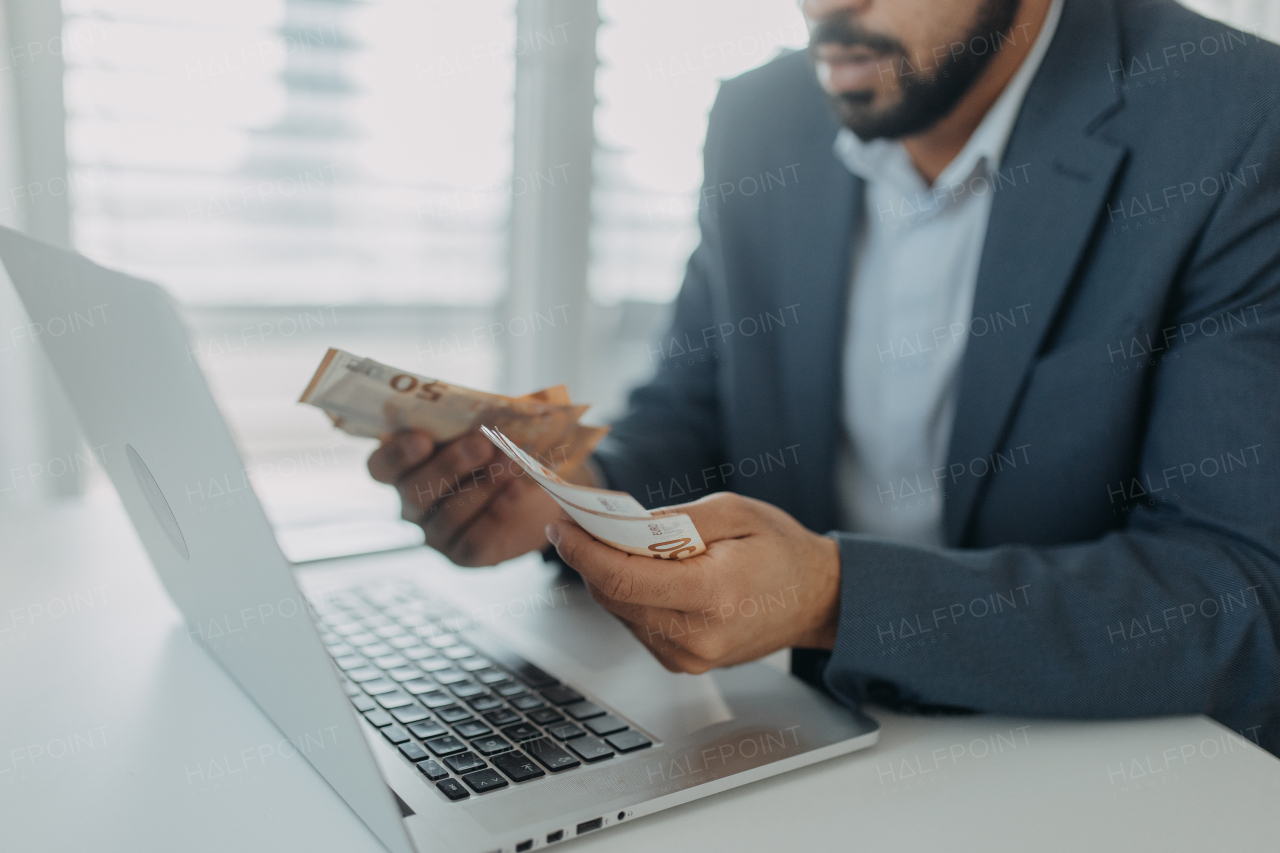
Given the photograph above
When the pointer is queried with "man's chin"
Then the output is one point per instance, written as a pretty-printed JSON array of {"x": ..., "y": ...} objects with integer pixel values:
[{"x": 858, "y": 112}]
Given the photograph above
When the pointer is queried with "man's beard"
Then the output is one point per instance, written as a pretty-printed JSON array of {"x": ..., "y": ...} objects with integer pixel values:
[{"x": 924, "y": 99}]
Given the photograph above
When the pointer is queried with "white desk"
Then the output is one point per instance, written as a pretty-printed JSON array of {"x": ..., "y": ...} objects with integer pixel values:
[{"x": 110, "y": 717}]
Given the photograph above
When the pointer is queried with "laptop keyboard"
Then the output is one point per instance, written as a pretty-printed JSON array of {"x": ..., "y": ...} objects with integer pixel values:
[{"x": 471, "y": 720}]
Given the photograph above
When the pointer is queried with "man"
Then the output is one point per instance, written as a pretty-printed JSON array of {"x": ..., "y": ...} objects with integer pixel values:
[{"x": 1009, "y": 342}]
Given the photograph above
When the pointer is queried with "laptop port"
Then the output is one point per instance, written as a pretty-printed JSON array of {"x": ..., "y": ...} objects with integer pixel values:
[
  {"x": 527, "y": 844},
  {"x": 553, "y": 837},
  {"x": 588, "y": 825}
]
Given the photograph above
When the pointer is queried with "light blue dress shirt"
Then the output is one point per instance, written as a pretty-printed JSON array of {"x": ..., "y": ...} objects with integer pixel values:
[{"x": 915, "y": 267}]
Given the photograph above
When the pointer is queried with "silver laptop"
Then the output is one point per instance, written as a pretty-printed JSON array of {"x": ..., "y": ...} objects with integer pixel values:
[{"x": 469, "y": 710}]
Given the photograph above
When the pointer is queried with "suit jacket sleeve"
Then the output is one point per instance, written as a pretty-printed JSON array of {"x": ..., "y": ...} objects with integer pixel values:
[{"x": 1176, "y": 612}]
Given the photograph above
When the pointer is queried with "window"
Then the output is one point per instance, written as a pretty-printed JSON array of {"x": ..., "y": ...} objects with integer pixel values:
[
  {"x": 300, "y": 174},
  {"x": 661, "y": 62}
]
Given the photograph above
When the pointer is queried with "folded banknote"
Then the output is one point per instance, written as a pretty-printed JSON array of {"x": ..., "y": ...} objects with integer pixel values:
[{"x": 615, "y": 518}]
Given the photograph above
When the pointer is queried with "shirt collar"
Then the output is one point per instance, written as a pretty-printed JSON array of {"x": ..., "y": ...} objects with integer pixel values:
[{"x": 887, "y": 159}]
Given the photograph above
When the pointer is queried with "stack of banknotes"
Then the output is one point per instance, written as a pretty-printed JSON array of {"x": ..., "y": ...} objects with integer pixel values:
[{"x": 540, "y": 433}]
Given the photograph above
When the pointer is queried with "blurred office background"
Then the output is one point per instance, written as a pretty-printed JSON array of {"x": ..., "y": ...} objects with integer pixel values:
[{"x": 500, "y": 193}]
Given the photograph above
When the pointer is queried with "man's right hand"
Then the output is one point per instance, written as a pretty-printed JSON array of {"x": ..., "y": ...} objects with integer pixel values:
[{"x": 475, "y": 506}]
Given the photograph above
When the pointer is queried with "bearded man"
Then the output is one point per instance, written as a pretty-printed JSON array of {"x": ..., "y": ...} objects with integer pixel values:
[{"x": 982, "y": 393}]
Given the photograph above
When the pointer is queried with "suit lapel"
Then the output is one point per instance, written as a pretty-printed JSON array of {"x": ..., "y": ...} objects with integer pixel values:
[{"x": 1038, "y": 230}]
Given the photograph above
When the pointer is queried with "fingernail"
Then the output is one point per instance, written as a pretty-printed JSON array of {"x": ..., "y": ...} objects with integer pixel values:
[
  {"x": 415, "y": 447},
  {"x": 473, "y": 450},
  {"x": 553, "y": 533}
]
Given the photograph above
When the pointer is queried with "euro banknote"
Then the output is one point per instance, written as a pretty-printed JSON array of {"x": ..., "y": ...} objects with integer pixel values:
[
  {"x": 614, "y": 518},
  {"x": 367, "y": 398}
]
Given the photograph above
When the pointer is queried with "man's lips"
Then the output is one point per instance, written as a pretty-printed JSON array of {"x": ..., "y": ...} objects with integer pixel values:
[
  {"x": 847, "y": 69},
  {"x": 833, "y": 52}
]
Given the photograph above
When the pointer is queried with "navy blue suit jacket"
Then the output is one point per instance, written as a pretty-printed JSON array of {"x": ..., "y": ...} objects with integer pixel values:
[{"x": 1112, "y": 495}]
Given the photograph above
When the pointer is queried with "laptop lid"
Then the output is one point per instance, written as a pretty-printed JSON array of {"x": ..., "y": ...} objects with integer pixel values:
[{"x": 122, "y": 355}]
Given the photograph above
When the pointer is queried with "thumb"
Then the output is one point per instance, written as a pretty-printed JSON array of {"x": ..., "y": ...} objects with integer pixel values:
[{"x": 723, "y": 515}]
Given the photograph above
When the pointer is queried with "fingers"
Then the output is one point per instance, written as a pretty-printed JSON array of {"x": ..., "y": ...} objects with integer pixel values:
[
  {"x": 626, "y": 578},
  {"x": 451, "y": 487},
  {"x": 511, "y": 524},
  {"x": 399, "y": 454},
  {"x": 722, "y": 516}
]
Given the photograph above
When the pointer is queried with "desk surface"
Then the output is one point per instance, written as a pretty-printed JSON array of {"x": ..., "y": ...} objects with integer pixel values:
[{"x": 119, "y": 733}]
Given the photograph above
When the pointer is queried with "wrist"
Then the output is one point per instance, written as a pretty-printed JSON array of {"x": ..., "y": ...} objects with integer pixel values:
[{"x": 825, "y": 597}]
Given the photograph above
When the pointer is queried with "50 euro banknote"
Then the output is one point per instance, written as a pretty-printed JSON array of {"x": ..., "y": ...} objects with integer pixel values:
[
  {"x": 615, "y": 518},
  {"x": 364, "y": 397}
]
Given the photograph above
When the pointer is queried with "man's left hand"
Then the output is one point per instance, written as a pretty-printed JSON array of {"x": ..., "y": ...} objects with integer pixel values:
[{"x": 765, "y": 583}]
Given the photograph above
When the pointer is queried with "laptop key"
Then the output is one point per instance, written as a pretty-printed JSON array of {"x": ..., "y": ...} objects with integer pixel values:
[
  {"x": 403, "y": 642},
  {"x": 472, "y": 664},
  {"x": 483, "y": 781},
  {"x": 483, "y": 703},
  {"x": 404, "y": 673},
  {"x": 453, "y": 714},
  {"x": 373, "y": 688},
  {"x": 410, "y": 714},
  {"x": 517, "y": 766},
  {"x": 363, "y": 702},
  {"x": 590, "y": 749},
  {"x": 395, "y": 699},
  {"x": 417, "y": 652},
  {"x": 440, "y": 641},
  {"x": 490, "y": 676},
  {"x": 562, "y": 695},
  {"x": 413, "y": 752},
  {"x": 427, "y": 729},
  {"x": 472, "y": 729},
  {"x": 417, "y": 685},
  {"x": 490, "y": 745},
  {"x": 375, "y": 650},
  {"x": 503, "y": 717},
  {"x": 395, "y": 734},
  {"x": 628, "y": 741},
  {"x": 390, "y": 661},
  {"x": 365, "y": 673},
  {"x": 453, "y": 789},
  {"x": 435, "y": 699},
  {"x": 379, "y": 717},
  {"x": 546, "y": 716},
  {"x": 521, "y": 731},
  {"x": 446, "y": 745},
  {"x": 584, "y": 711},
  {"x": 606, "y": 725},
  {"x": 551, "y": 756},
  {"x": 464, "y": 762},
  {"x": 432, "y": 770},
  {"x": 565, "y": 731},
  {"x": 466, "y": 689},
  {"x": 509, "y": 690},
  {"x": 450, "y": 676},
  {"x": 434, "y": 664},
  {"x": 350, "y": 662},
  {"x": 351, "y": 688},
  {"x": 457, "y": 652},
  {"x": 527, "y": 703}
]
